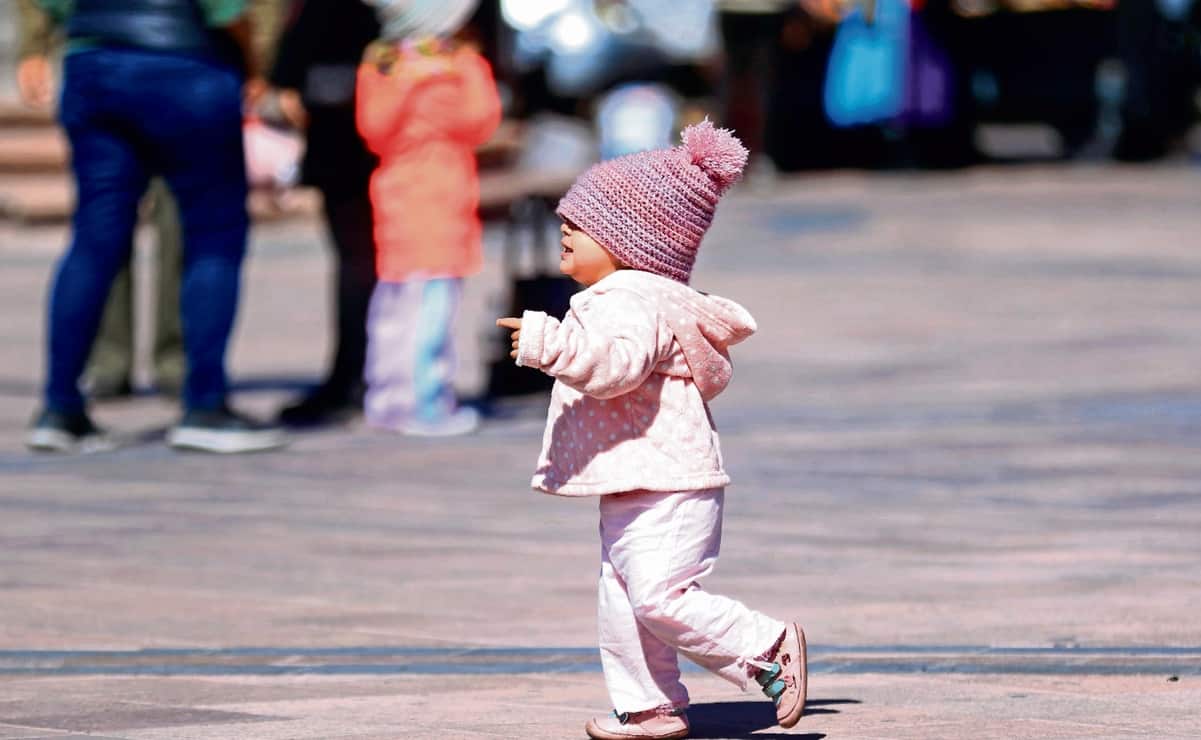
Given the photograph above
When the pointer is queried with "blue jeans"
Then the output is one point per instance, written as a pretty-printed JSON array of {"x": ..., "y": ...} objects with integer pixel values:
[{"x": 130, "y": 114}]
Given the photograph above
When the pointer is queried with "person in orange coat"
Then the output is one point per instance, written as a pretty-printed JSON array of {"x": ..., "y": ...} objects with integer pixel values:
[{"x": 424, "y": 103}]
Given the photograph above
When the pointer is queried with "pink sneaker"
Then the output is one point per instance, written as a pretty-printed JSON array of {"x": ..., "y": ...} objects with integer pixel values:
[
  {"x": 662, "y": 723},
  {"x": 785, "y": 678}
]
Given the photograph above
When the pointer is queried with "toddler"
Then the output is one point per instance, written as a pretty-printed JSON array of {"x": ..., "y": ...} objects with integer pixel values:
[
  {"x": 424, "y": 104},
  {"x": 636, "y": 361}
]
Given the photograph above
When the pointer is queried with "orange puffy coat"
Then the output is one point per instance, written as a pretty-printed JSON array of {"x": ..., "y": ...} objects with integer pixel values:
[{"x": 424, "y": 115}]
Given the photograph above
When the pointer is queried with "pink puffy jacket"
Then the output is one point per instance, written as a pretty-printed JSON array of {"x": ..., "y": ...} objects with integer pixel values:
[
  {"x": 636, "y": 360},
  {"x": 424, "y": 116}
]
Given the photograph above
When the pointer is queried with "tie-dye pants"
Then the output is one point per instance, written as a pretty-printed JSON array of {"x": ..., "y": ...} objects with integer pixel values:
[{"x": 410, "y": 352}]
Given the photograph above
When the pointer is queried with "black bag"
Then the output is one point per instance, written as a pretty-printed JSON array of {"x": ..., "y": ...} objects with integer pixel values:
[{"x": 541, "y": 290}]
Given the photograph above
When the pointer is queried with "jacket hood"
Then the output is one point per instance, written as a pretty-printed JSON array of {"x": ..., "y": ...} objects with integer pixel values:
[{"x": 704, "y": 326}]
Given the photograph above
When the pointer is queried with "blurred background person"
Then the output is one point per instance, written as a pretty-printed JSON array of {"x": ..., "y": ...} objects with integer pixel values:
[
  {"x": 35, "y": 37},
  {"x": 111, "y": 363},
  {"x": 319, "y": 52},
  {"x": 425, "y": 102},
  {"x": 153, "y": 89},
  {"x": 1159, "y": 43},
  {"x": 750, "y": 32},
  {"x": 110, "y": 367}
]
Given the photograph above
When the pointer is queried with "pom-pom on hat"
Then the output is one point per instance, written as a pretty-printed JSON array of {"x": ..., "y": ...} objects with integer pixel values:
[{"x": 651, "y": 209}]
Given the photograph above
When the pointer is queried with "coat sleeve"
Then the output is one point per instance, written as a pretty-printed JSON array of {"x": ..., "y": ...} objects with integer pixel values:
[
  {"x": 35, "y": 32},
  {"x": 298, "y": 42},
  {"x": 479, "y": 109},
  {"x": 267, "y": 18},
  {"x": 381, "y": 101},
  {"x": 598, "y": 357}
]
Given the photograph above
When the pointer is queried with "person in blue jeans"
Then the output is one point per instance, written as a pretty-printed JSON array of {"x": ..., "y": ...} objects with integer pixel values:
[{"x": 152, "y": 87}]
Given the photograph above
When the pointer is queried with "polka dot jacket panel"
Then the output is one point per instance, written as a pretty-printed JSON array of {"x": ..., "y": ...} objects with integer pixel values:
[{"x": 636, "y": 360}]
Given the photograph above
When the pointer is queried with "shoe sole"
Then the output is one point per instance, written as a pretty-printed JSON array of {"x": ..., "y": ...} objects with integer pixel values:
[
  {"x": 50, "y": 440},
  {"x": 452, "y": 431},
  {"x": 53, "y": 440},
  {"x": 225, "y": 443},
  {"x": 798, "y": 711},
  {"x": 456, "y": 427},
  {"x": 341, "y": 417},
  {"x": 597, "y": 733}
]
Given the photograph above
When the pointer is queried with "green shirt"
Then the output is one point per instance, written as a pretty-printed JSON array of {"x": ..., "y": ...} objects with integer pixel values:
[
  {"x": 217, "y": 13},
  {"x": 36, "y": 32}
]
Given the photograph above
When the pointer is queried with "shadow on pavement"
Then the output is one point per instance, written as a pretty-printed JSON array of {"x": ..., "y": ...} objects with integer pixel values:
[{"x": 739, "y": 719}]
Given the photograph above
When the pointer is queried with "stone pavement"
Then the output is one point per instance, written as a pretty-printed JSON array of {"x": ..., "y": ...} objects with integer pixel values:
[{"x": 965, "y": 450}]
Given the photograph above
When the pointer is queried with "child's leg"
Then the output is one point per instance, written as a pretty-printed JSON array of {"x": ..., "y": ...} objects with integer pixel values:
[
  {"x": 660, "y": 546},
  {"x": 434, "y": 358},
  {"x": 391, "y": 335},
  {"x": 641, "y": 671}
]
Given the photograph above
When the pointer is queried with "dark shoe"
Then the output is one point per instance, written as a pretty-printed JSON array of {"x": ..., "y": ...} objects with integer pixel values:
[
  {"x": 56, "y": 432},
  {"x": 321, "y": 408},
  {"x": 223, "y": 431}
]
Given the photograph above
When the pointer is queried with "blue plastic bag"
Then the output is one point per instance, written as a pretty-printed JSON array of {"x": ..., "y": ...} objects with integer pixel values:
[{"x": 865, "y": 80}]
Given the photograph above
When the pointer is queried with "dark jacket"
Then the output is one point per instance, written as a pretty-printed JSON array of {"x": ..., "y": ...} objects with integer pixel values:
[
  {"x": 176, "y": 26},
  {"x": 318, "y": 55}
]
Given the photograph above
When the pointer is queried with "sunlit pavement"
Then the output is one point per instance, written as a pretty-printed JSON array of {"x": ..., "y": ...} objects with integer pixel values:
[{"x": 965, "y": 451}]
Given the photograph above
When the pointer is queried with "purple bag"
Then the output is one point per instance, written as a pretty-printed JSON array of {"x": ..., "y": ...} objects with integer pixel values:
[{"x": 929, "y": 80}]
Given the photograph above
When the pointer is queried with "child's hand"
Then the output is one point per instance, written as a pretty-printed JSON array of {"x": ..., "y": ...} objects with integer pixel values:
[
  {"x": 423, "y": 67},
  {"x": 515, "y": 325}
]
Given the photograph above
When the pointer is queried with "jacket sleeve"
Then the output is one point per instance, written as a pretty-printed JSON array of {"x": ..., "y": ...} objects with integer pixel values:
[
  {"x": 602, "y": 359},
  {"x": 381, "y": 101},
  {"x": 267, "y": 20},
  {"x": 479, "y": 110},
  {"x": 302, "y": 24},
  {"x": 35, "y": 31}
]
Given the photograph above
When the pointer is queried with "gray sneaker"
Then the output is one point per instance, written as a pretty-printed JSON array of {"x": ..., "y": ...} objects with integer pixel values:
[
  {"x": 224, "y": 431},
  {"x": 53, "y": 431},
  {"x": 463, "y": 420}
]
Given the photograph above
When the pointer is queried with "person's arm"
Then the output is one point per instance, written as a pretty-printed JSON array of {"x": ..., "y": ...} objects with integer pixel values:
[
  {"x": 232, "y": 17},
  {"x": 35, "y": 38},
  {"x": 302, "y": 24},
  {"x": 611, "y": 357},
  {"x": 479, "y": 110},
  {"x": 242, "y": 32},
  {"x": 58, "y": 10},
  {"x": 267, "y": 17},
  {"x": 35, "y": 30},
  {"x": 298, "y": 41},
  {"x": 384, "y": 89}
]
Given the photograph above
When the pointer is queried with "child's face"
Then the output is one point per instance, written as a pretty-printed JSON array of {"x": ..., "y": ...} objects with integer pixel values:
[{"x": 582, "y": 258}]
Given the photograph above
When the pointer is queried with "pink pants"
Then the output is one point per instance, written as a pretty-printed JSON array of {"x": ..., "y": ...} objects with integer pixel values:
[{"x": 655, "y": 547}]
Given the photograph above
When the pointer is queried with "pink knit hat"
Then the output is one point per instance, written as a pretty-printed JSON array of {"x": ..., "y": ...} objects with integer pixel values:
[{"x": 651, "y": 209}]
